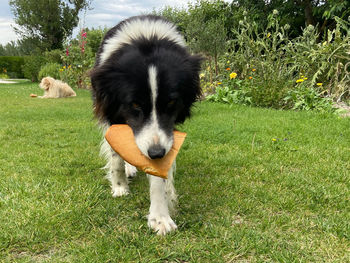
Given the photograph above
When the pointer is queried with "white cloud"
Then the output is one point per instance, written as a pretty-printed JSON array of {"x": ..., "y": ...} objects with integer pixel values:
[
  {"x": 104, "y": 13},
  {"x": 7, "y": 33}
]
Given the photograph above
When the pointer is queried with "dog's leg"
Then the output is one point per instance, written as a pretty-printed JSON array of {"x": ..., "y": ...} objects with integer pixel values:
[
  {"x": 160, "y": 191},
  {"x": 130, "y": 170},
  {"x": 116, "y": 171}
]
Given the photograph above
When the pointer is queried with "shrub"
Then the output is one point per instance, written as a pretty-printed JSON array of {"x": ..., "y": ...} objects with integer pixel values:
[
  {"x": 304, "y": 97},
  {"x": 32, "y": 66},
  {"x": 50, "y": 69},
  {"x": 95, "y": 37},
  {"x": 326, "y": 62},
  {"x": 54, "y": 56},
  {"x": 231, "y": 91},
  {"x": 268, "y": 63},
  {"x": 12, "y": 66},
  {"x": 77, "y": 61},
  {"x": 3, "y": 76}
]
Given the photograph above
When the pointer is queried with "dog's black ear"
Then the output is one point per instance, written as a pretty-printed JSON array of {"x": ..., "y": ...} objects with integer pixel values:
[
  {"x": 98, "y": 93},
  {"x": 191, "y": 86},
  {"x": 105, "y": 82},
  {"x": 196, "y": 62}
]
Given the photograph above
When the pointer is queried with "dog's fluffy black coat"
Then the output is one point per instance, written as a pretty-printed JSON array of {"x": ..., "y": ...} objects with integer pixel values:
[
  {"x": 121, "y": 93},
  {"x": 145, "y": 77}
]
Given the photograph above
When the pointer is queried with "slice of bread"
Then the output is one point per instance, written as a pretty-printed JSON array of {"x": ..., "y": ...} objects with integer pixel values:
[{"x": 121, "y": 138}]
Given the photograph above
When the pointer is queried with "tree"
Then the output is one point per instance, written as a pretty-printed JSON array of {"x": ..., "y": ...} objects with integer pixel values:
[
  {"x": 48, "y": 22},
  {"x": 206, "y": 31}
]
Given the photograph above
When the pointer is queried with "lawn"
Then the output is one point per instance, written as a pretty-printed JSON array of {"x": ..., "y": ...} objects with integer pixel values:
[{"x": 254, "y": 185}]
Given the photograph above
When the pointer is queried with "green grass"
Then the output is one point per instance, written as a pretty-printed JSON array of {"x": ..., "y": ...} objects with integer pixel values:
[{"x": 243, "y": 197}]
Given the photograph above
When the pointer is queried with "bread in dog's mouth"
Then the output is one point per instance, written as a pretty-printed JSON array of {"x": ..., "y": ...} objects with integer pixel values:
[{"x": 121, "y": 138}]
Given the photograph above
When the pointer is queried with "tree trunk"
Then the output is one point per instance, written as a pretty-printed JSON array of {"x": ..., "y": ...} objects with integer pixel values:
[{"x": 309, "y": 17}]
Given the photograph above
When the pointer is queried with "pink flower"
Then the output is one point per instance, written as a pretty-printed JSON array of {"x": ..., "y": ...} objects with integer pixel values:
[{"x": 83, "y": 34}]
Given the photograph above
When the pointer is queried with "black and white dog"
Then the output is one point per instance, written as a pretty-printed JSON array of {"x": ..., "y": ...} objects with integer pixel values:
[{"x": 145, "y": 77}]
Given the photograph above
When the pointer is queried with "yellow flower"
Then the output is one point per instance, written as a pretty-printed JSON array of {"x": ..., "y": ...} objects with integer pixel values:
[
  {"x": 202, "y": 75},
  {"x": 219, "y": 83},
  {"x": 268, "y": 35},
  {"x": 319, "y": 84},
  {"x": 250, "y": 77},
  {"x": 273, "y": 139},
  {"x": 302, "y": 76},
  {"x": 69, "y": 66},
  {"x": 64, "y": 67},
  {"x": 253, "y": 69},
  {"x": 299, "y": 80},
  {"x": 61, "y": 69},
  {"x": 305, "y": 78},
  {"x": 233, "y": 75}
]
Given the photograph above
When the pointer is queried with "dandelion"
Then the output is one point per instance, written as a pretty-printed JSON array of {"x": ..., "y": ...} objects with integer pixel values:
[
  {"x": 299, "y": 80},
  {"x": 319, "y": 84},
  {"x": 233, "y": 75},
  {"x": 250, "y": 77},
  {"x": 253, "y": 69}
]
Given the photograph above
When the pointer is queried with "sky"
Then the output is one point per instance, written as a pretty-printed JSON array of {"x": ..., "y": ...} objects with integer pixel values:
[{"x": 104, "y": 13}]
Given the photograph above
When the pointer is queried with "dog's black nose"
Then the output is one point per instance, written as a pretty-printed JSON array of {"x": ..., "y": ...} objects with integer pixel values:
[{"x": 156, "y": 151}]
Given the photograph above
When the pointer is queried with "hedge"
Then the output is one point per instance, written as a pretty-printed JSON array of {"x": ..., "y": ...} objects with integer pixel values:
[{"x": 12, "y": 66}]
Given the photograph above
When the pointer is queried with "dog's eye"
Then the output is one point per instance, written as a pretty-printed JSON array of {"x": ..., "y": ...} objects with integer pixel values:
[
  {"x": 171, "y": 103},
  {"x": 135, "y": 106}
]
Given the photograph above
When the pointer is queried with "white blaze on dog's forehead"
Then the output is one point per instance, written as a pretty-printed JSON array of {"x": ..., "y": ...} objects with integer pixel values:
[
  {"x": 152, "y": 79},
  {"x": 138, "y": 28},
  {"x": 151, "y": 133}
]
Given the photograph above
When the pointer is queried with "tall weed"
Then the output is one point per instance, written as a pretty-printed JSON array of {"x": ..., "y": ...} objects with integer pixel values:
[{"x": 271, "y": 64}]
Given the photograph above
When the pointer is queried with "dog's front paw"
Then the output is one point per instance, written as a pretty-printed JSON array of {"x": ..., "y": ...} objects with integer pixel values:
[
  {"x": 161, "y": 224},
  {"x": 130, "y": 170},
  {"x": 120, "y": 190}
]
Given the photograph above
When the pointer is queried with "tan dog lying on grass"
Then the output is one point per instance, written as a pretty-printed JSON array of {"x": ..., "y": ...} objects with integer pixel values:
[{"x": 55, "y": 88}]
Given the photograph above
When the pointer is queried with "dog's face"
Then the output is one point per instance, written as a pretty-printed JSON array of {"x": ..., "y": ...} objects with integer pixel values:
[
  {"x": 46, "y": 83},
  {"x": 149, "y": 93}
]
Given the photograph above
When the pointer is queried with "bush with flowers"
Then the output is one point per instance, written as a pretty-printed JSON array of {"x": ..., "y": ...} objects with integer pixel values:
[
  {"x": 50, "y": 69},
  {"x": 267, "y": 64},
  {"x": 305, "y": 97},
  {"x": 77, "y": 61}
]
